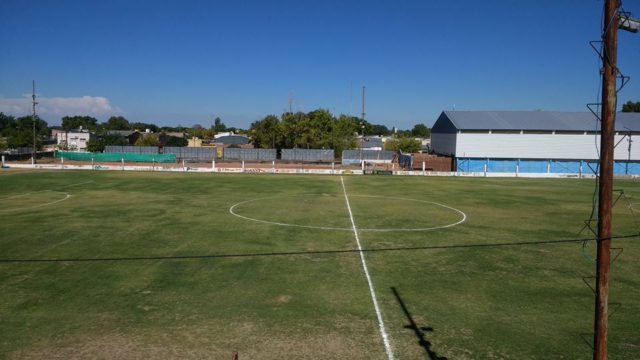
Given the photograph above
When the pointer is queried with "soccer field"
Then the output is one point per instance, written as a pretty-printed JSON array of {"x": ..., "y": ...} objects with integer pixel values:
[{"x": 158, "y": 265}]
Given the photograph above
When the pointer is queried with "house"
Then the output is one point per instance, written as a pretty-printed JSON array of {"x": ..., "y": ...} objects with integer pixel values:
[
  {"x": 532, "y": 141},
  {"x": 75, "y": 140}
]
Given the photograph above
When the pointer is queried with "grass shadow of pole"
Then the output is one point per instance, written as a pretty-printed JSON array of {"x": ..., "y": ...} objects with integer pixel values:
[{"x": 419, "y": 331}]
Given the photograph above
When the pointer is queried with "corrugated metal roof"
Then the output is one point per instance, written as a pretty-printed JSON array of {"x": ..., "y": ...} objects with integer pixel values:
[
  {"x": 231, "y": 140},
  {"x": 537, "y": 120},
  {"x": 372, "y": 142},
  {"x": 124, "y": 133}
]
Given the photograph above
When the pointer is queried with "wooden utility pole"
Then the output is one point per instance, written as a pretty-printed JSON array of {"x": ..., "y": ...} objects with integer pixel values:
[{"x": 605, "y": 191}]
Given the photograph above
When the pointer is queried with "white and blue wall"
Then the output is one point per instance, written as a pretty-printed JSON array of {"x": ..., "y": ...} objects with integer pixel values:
[{"x": 532, "y": 151}]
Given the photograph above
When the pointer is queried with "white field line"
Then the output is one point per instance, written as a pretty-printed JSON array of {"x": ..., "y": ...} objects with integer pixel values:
[
  {"x": 41, "y": 191},
  {"x": 463, "y": 217},
  {"x": 67, "y": 196},
  {"x": 232, "y": 211},
  {"x": 383, "y": 331}
]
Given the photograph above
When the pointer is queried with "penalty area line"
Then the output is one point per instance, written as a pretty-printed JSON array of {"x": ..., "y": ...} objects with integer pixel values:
[{"x": 383, "y": 331}]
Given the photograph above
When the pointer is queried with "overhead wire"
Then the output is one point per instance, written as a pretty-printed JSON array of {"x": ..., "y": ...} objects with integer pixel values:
[{"x": 311, "y": 252}]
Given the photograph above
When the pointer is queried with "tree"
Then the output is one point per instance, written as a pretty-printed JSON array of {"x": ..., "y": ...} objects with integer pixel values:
[
  {"x": 420, "y": 130},
  {"x": 21, "y": 132},
  {"x": 75, "y": 122},
  {"x": 378, "y": 130},
  {"x": 292, "y": 127},
  {"x": 140, "y": 126},
  {"x": 266, "y": 133},
  {"x": 115, "y": 140},
  {"x": 148, "y": 140},
  {"x": 95, "y": 145},
  {"x": 631, "y": 106},
  {"x": 218, "y": 125},
  {"x": 319, "y": 129},
  {"x": 117, "y": 123},
  {"x": 344, "y": 135},
  {"x": 403, "y": 144},
  {"x": 173, "y": 141},
  {"x": 7, "y": 122},
  {"x": 199, "y": 131}
]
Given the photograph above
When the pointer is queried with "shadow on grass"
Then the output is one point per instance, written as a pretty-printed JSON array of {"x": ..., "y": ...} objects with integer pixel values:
[{"x": 418, "y": 331}]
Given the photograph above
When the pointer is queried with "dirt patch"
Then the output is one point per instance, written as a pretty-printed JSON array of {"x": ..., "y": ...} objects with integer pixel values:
[
  {"x": 281, "y": 300},
  {"x": 211, "y": 342},
  {"x": 147, "y": 307}
]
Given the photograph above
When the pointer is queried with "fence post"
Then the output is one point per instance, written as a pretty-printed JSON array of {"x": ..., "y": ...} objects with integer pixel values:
[
  {"x": 362, "y": 166},
  {"x": 242, "y": 165},
  {"x": 423, "y": 169}
]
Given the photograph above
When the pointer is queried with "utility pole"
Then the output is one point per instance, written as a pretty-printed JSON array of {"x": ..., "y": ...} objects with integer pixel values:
[
  {"x": 290, "y": 103},
  {"x": 605, "y": 190},
  {"x": 34, "y": 118},
  {"x": 363, "y": 88}
]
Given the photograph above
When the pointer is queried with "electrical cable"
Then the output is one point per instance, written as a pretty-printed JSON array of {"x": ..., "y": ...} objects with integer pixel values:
[{"x": 312, "y": 252}]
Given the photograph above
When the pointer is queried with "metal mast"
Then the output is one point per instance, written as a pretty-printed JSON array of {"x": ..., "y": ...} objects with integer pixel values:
[
  {"x": 34, "y": 118},
  {"x": 363, "y": 88}
]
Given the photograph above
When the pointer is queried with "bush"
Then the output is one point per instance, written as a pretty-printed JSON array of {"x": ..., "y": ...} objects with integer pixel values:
[{"x": 406, "y": 145}]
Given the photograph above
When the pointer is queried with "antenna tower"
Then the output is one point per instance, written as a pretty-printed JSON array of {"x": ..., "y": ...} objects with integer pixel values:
[{"x": 34, "y": 118}]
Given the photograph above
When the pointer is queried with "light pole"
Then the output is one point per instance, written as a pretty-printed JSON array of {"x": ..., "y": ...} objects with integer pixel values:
[{"x": 361, "y": 138}]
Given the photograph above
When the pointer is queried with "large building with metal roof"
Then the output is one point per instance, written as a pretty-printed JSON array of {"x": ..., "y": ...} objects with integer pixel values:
[{"x": 532, "y": 141}]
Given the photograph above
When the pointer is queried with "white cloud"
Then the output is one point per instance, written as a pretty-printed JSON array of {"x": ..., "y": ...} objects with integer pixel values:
[{"x": 59, "y": 106}]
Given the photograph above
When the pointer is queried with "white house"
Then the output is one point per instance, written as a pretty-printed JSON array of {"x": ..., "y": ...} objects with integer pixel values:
[{"x": 74, "y": 140}]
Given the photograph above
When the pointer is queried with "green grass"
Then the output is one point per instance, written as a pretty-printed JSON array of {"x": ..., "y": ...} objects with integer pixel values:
[{"x": 513, "y": 302}]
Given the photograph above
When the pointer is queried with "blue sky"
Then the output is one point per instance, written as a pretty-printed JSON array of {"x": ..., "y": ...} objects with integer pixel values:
[{"x": 180, "y": 62}]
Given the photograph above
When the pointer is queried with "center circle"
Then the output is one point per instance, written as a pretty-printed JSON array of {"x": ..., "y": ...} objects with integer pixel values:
[
  {"x": 32, "y": 200},
  {"x": 328, "y": 212}
]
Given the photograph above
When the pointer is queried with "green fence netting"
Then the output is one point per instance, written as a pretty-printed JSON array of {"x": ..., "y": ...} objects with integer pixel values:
[{"x": 117, "y": 157}]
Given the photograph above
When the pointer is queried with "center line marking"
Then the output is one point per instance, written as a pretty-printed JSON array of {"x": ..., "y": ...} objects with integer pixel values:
[{"x": 383, "y": 331}]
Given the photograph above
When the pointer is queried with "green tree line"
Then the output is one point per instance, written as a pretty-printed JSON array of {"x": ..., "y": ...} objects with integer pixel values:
[
  {"x": 631, "y": 106},
  {"x": 18, "y": 132},
  {"x": 319, "y": 129}
]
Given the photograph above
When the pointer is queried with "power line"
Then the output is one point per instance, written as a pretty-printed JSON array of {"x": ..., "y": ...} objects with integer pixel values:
[{"x": 318, "y": 252}]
